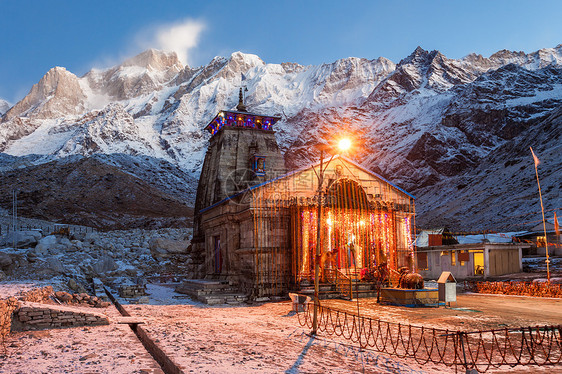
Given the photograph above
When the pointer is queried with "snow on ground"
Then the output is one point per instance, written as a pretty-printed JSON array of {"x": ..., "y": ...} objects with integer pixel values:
[
  {"x": 263, "y": 338},
  {"x": 111, "y": 348}
]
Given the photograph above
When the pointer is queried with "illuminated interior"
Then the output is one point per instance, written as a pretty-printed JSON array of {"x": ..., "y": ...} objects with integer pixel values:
[{"x": 356, "y": 233}]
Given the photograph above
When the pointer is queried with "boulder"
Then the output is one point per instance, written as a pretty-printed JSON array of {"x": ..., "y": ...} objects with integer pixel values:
[
  {"x": 72, "y": 284},
  {"x": 23, "y": 239},
  {"x": 104, "y": 264},
  {"x": 48, "y": 244},
  {"x": 65, "y": 242},
  {"x": 5, "y": 260},
  {"x": 65, "y": 297},
  {"x": 165, "y": 248},
  {"x": 31, "y": 257},
  {"x": 91, "y": 237},
  {"x": 55, "y": 265},
  {"x": 102, "y": 304}
]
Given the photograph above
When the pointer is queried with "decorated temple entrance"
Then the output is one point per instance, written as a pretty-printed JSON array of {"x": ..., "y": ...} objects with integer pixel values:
[{"x": 356, "y": 234}]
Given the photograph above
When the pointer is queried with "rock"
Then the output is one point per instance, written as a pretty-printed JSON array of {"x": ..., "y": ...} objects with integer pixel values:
[
  {"x": 63, "y": 296},
  {"x": 75, "y": 286},
  {"x": 91, "y": 237},
  {"x": 31, "y": 257},
  {"x": 5, "y": 260},
  {"x": 78, "y": 236},
  {"x": 23, "y": 239},
  {"x": 48, "y": 244},
  {"x": 65, "y": 241},
  {"x": 2, "y": 275},
  {"x": 104, "y": 265},
  {"x": 87, "y": 357},
  {"x": 102, "y": 304},
  {"x": 77, "y": 244},
  {"x": 72, "y": 284},
  {"x": 55, "y": 265},
  {"x": 165, "y": 248},
  {"x": 131, "y": 272}
]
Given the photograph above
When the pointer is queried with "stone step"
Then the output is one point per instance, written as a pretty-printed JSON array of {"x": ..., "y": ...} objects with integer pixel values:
[
  {"x": 212, "y": 292},
  {"x": 223, "y": 299},
  {"x": 329, "y": 291},
  {"x": 196, "y": 292}
]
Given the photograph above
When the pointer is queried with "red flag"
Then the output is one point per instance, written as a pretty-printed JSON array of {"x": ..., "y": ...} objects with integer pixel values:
[
  {"x": 537, "y": 161},
  {"x": 556, "y": 225}
]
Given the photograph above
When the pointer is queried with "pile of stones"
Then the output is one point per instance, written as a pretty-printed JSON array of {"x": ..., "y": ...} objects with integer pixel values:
[{"x": 81, "y": 299}]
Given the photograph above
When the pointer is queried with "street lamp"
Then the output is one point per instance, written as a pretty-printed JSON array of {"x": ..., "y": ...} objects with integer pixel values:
[{"x": 343, "y": 145}]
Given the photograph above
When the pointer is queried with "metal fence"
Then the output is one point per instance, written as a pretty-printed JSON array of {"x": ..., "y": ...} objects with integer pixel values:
[
  {"x": 474, "y": 350},
  {"x": 46, "y": 229}
]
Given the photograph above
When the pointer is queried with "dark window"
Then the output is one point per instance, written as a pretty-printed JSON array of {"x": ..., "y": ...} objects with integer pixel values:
[{"x": 422, "y": 260}]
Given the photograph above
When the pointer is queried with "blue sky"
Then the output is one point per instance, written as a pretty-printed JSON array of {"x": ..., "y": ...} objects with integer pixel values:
[{"x": 37, "y": 35}]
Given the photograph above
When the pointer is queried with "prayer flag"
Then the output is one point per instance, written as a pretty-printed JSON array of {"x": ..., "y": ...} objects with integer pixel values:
[
  {"x": 556, "y": 225},
  {"x": 537, "y": 161}
]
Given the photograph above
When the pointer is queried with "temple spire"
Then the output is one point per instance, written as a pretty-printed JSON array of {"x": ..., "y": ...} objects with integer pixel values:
[{"x": 241, "y": 107}]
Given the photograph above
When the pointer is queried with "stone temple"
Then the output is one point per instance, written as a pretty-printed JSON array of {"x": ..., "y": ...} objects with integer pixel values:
[{"x": 256, "y": 225}]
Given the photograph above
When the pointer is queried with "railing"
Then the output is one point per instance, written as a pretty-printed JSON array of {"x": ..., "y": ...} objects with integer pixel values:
[
  {"x": 341, "y": 281},
  {"x": 46, "y": 229},
  {"x": 476, "y": 350}
]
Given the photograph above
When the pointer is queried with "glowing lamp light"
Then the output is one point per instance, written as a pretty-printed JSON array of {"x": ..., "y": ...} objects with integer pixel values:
[
  {"x": 344, "y": 144},
  {"x": 329, "y": 221}
]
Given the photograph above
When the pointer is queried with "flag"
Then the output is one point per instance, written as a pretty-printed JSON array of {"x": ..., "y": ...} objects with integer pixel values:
[
  {"x": 243, "y": 76},
  {"x": 556, "y": 225},
  {"x": 537, "y": 161}
]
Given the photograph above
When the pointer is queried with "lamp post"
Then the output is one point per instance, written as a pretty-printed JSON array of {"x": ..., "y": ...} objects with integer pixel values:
[{"x": 343, "y": 145}]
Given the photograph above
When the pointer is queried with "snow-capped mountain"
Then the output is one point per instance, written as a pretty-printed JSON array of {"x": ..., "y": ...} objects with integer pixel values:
[
  {"x": 4, "y": 106},
  {"x": 424, "y": 122}
]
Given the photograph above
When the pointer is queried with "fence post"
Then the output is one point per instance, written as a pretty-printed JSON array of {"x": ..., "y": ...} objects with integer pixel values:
[{"x": 472, "y": 369}]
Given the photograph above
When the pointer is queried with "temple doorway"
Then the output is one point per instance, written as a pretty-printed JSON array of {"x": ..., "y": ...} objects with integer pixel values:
[{"x": 354, "y": 233}]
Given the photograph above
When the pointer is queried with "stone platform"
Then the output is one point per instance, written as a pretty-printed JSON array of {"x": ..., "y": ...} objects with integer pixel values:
[
  {"x": 410, "y": 298},
  {"x": 211, "y": 292}
]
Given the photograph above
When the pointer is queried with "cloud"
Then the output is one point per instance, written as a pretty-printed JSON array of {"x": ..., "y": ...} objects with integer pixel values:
[{"x": 179, "y": 37}]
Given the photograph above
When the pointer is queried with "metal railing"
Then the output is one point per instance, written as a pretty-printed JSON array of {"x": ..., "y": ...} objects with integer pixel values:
[
  {"x": 475, "y": 350},
  {"x": 46, "y": 229},
  {"x": 341, "y": 281}
]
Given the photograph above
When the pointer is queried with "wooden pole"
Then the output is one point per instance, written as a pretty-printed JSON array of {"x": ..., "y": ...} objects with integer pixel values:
[
  {"x": 317, "y": 252},
  {"x": 543, "y": 221}
]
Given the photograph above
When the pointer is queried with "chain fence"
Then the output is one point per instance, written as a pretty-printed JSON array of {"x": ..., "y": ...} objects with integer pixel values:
[
  {"x": 476, "y": 351},
  {"x": 537, "y": 289}
]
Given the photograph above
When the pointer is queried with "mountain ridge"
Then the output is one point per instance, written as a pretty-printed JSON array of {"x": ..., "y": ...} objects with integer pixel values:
[{"x": 424, "y": 121}]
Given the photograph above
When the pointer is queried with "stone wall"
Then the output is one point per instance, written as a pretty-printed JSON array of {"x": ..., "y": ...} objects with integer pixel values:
[
  {"x": 7, "y": 307},
  {"x": 10, "y": 304},
  {"x": 35, "y": 316}
]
